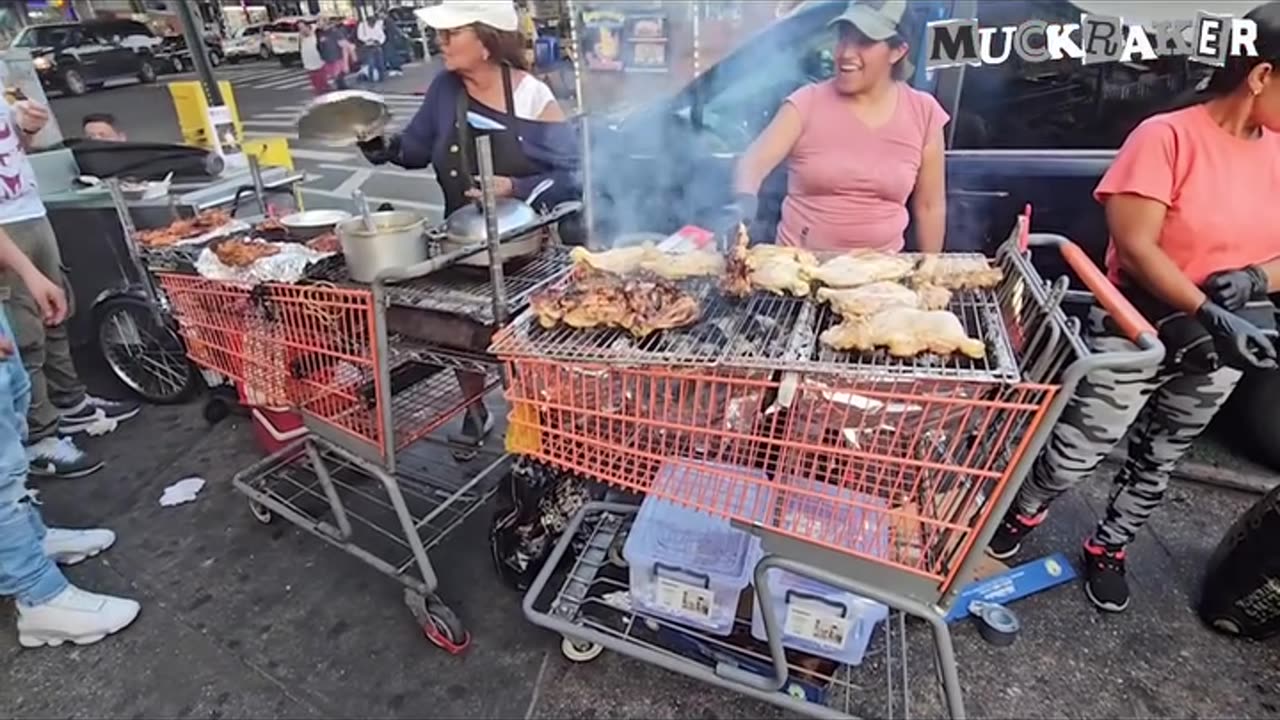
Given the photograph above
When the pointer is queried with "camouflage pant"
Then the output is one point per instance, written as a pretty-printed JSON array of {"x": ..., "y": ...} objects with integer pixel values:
[{"x": 1162, "y": 412}]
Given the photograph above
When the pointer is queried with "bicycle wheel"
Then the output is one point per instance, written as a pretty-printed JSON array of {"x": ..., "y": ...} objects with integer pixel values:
[{"x": 144, "y": 351}]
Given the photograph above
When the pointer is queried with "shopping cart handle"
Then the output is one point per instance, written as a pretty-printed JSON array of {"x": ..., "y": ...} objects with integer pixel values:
[{"x": 1135, "y": 327}]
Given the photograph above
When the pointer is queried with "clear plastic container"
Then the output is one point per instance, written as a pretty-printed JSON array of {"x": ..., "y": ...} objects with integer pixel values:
[
  {"x": 688, "y": 566},
  {"x": 814, "y": 617}
]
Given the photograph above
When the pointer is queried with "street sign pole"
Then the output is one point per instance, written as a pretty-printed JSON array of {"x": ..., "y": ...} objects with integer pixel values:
[
  {"x": 221, "y": 126},
  {"x": 194, "y": 34}
]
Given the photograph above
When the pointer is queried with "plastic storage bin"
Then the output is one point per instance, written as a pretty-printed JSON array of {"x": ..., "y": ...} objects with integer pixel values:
[
  {"x": 688, "y": 566},
  {"x": 816, "y": 618}
]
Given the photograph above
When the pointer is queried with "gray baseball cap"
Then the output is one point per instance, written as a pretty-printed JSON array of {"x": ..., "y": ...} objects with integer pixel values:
[{"x": 877, "y": 19}]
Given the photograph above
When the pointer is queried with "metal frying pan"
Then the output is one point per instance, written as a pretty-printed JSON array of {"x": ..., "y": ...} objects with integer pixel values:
[{"x": 344, "y": 118}]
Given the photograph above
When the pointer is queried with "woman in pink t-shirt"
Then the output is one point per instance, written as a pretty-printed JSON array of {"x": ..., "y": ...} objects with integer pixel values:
[
  {"x": 857, "y": 147},
  {"x": 1193, "y": 206}
]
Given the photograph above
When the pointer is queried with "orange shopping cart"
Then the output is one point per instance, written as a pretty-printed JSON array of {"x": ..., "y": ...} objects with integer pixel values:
[
  {"x": 878, "y": 478},
  {"x": 372, "y": 476}
]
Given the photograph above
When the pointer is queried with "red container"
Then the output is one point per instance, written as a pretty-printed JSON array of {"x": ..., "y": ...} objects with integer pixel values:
[{"x": 276, "y": 427}]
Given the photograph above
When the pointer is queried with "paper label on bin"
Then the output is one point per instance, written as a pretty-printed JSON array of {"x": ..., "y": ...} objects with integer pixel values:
[
  {"x": 685, "y": 599},
  {"x": 815, "y": 624}
]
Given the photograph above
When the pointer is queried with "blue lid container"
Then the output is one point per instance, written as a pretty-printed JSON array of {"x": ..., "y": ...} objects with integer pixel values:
[{"x": 690, "y": 566}]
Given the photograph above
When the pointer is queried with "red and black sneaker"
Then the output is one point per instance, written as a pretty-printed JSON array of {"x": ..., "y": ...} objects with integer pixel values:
[
  {"x": 1008, "y": 538},
  {"x": 1104, "y": 580}
]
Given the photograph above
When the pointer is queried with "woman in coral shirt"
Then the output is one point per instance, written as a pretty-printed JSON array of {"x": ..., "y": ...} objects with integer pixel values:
[
  {"x": 856, "y": 146},
  {"x": 1193, "y": 206}
]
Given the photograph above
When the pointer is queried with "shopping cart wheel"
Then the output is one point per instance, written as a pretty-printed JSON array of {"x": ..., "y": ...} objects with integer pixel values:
[
  {"x": 260, "y": 512},
  {"x": 579, "y": 651},
  {"x": 441, "y": 626}
]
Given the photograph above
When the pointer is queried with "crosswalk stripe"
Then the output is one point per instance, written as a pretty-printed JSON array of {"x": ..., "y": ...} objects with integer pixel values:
[
  {"x": 268, "y": 123},
  {"x": 322, "y": 155},
  {"x": 268, "y": 134},
  {"x": 283, "y": 83},
  {"x": 275, "y": 116}
]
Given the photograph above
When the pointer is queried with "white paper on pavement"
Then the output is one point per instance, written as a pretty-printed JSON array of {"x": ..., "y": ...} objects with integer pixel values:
[{"x": 183, "y": 491}]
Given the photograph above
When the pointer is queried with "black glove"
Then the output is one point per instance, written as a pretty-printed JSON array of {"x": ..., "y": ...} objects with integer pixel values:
[
  {"x": 1233, "y": 288},
  {"x": 381, "y": 150},
  {"x": 1240, "y": 343}
]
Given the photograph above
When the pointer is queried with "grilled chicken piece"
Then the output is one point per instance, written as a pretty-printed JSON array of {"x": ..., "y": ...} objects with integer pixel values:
[
  {"x": 641, "y": 305},
  {"x": 871, "y": 299},
  {"x": 737, "y": 273},
  {"x": 958, "y": 273},
  {"x": 906, "y": 332},
  {"x": 679, "y": 266},
  {"x": 619, "y": 261},
  {"x": 862, "y": 268},
  {"x": 779, "y": 269}
]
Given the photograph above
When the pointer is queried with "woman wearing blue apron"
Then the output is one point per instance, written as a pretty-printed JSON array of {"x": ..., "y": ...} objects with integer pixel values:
[{"x": 486, "y": 74}]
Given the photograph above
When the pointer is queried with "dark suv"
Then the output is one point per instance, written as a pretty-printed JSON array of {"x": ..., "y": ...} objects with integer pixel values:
[
  {"x": 1038, "y": 133},
  {"x": 76, "y": 57}
]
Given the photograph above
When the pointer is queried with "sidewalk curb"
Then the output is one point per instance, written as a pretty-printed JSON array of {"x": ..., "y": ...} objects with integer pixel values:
[{"x": 1202, "y": 473}]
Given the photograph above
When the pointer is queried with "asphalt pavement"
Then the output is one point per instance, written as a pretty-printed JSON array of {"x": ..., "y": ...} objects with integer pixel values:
[{"x": 269, "y": 99}]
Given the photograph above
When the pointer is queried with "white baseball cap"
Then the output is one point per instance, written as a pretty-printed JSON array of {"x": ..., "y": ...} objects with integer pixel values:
[{"x": 449, "y": 14}]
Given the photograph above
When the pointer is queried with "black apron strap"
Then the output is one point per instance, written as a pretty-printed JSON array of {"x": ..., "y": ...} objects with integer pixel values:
[
  {"x": 465, "y": 147},
  {"x": 508, "y": 93}
]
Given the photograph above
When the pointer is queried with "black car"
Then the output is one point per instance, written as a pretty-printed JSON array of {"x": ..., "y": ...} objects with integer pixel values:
[
  {"x": 415, "y": 32},
  {"x": 1020, "y": 133},
  {"x": 176, "y": 56},
  {"x": 76, "y": 57}
]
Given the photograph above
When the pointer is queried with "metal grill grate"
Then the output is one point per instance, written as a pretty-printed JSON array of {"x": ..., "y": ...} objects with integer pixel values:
[
  {"x": 979, "y": 313},
  {"x": 755, "y": 332},
  {"x": 461, "y": 290}
]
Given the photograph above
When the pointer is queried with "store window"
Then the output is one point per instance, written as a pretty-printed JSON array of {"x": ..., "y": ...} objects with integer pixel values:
[{"x": 1064, "y": 103}]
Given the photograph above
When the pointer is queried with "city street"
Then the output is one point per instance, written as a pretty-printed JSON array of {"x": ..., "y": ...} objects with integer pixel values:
[{"x": 269, "y": 99}]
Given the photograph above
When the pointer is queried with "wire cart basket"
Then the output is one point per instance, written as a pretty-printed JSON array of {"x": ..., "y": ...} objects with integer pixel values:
[
  {"x": 928, "y": 454},
  {"x": 368, "y": 476}
]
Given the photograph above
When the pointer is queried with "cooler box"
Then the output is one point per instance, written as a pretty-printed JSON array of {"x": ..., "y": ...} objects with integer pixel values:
[
  {"x": 688, "y": 566},
  {"x": 816, "y": 618},
  {"x": 273, "y": 427}
]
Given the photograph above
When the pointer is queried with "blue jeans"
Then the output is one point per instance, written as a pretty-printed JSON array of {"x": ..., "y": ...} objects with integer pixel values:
[
  {"x": 25, "y": 572},
  {"x": 375, "y": 61}
]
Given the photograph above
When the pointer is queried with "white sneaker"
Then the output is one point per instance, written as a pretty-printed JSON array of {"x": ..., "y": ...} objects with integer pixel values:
[
  {"x": 74, "y": 615},
  {"x": 68, "y": 547}
]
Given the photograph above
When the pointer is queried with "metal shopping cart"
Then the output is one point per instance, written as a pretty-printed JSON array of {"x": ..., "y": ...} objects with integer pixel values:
[
  {"x": 368, "y": 478},
  {"x": 927, "y": 453}
]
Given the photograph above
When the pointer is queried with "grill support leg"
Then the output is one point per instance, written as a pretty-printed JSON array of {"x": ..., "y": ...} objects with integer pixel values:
[
  {"x": 947, "y": 667},
  {"x": 409, "y": 527}
]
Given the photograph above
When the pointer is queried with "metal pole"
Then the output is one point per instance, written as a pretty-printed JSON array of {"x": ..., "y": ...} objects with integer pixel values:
[
  {"x": 489, "y": 202},
  {"x": 575, "y": 55},
  {"x": 194, "y": 34}
]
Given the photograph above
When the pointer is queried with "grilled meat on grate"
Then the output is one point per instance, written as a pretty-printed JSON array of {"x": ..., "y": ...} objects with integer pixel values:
[
  {"x": 906, "y": 332},
  {"x": 957, "y": 273},
  {"x": 641, "y": 305}
]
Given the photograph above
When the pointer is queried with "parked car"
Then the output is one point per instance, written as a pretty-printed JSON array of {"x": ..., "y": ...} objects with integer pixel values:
[
  {"x": 421, "y": 38},
  {"x": 283, "y": 40},
  {"x": 247, "y": 43},
  {"x": 1020, "y": 133},
  {"x": 176, "y": 56},
  {"x": 76, "y": 57}
]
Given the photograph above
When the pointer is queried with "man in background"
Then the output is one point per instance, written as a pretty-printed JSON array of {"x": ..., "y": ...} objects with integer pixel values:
[
  {"x": 373, "y": 36},
  {"x": 102, "y": 126}
]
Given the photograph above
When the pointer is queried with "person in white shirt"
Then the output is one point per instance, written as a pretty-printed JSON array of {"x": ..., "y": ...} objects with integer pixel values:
[
  {"x": 373, "y": 37},
  {"x": 60, "y": 406},
  {"x": 312, "y": 61}
]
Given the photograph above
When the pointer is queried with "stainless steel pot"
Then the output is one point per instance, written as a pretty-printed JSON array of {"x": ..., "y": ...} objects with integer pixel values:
[
  {"x": 466, "y": 226},
  {"x": 398, "y": 242}
]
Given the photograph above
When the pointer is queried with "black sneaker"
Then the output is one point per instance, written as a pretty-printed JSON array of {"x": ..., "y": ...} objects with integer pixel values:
[
  {"x": 1008, "y": 538},
  {"x": 95, "y": 416},
  {"x": 59, "y": 457},
  {"x": 1104, "y": 581}
]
